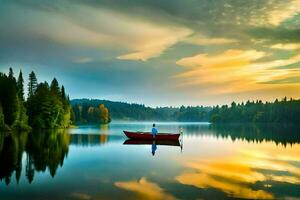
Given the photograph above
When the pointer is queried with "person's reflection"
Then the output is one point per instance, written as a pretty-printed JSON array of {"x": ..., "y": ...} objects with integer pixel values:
[{"x": 153, "y": 147}]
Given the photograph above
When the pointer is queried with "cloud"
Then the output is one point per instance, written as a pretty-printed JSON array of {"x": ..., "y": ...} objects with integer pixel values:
[
  {"x": 234, "y": 71},
  {"x": 284, "y": 12},
  {"x": 199, "y": 39},
  {"x": 155, "y": 43},
  {"x": 230, "y": 58},
  {"x": 60, "y": 37},
  {"x": 80, "y": 25},
  {"x": 289, "y": 46},
  {"x": 145, "y": 189}
]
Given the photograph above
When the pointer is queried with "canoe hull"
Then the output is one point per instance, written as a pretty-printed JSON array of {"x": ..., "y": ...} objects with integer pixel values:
[
  {"x": 148, "y": 136},
  {"x": 150, "y": 142}
]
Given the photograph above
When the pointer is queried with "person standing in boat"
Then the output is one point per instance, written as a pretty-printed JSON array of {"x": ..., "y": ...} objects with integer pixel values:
[{"x": 154, "y": 131}]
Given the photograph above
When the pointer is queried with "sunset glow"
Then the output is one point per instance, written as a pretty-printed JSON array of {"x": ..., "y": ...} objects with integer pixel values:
[{"x": 192, "y": 52}]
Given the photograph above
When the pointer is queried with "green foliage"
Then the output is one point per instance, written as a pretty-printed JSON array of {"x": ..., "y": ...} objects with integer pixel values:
[
  {"x": 21, "y": 121},
  {"x": 1, "y": 117},
  {"x": 46, "y": 107},
  {"x": 285, "y": 111},
  {"x": 32, "y": 84},
  {"x": 54, "y": 88},
  {"x": 8, "y": 98},
  {"x": 20, "y": 86},
  {"x": 126, "y": 111},
  {"x": 11, "y": 73},
  {"x": 2, "y": 124}
]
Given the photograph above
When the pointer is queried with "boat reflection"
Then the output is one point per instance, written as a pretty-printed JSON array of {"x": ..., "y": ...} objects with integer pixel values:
[{"x": 153, "y": 143}]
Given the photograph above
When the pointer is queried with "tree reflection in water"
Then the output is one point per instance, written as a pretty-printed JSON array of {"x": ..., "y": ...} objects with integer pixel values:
[{"x": 43, "y": 150}]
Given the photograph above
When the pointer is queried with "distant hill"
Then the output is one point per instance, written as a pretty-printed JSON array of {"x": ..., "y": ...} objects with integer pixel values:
[{"x": 132, "y": 111}]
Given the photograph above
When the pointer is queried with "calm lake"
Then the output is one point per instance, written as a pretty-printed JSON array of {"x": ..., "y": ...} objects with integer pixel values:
[{"x": 211, "y": 162}]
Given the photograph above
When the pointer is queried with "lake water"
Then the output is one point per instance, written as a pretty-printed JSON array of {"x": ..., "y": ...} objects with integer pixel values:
[{"x": 211, "y": 162}]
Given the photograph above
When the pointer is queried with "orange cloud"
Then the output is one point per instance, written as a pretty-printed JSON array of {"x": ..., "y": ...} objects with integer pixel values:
[
  {"x": 234, "y": 71},
  {"x": 145, "y": 189},
  {"x": 235, "y": 172},
  {"x": 237, "y": 190},
  {"x": 288, "y": 46}
]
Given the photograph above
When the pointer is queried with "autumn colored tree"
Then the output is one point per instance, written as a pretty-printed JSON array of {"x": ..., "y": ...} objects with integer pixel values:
[{"x": 104, "y": 114}]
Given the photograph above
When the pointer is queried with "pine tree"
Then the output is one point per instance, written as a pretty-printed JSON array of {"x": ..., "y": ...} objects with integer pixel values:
[
  {"x": 8, "y": 97},
  {"x": 2, "y": 124},
  {"x": 11, "y": 73},
  {"x": 54, "y": 88},
  {"x": 32, "y": 85},
  {"x": 20, "y": 86},
  {"x": 63, "y": 94}
]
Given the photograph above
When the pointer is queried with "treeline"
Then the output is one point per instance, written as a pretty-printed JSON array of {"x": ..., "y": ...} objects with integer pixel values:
[
  {"x": 284, "y": 111},
  {"x": 47, "y": 106},
  {"x": 86, "y": 113},
  {"x": 139, "y": 112}
]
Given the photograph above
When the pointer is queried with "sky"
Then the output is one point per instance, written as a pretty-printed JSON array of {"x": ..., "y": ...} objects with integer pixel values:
[{"x": 154, "y": 52}]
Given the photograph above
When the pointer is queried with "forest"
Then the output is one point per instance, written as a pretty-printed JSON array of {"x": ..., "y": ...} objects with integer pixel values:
[
  {"x": 280, "y": 111},
  {"x": 46, "y": 106},
  {"x": 284, "y": 111},
  {"x": 139, "y": 112}
]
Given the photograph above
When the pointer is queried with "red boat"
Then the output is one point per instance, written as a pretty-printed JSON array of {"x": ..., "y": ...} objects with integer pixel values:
[
  {"x": 149, "y": 136},
  {"x": 150, "y": 142}
]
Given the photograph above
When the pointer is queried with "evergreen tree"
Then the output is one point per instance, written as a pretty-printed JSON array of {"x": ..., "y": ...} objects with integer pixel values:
[
  {"x": 2, "y": 124},
  {"x": 39, "y": 107},
  {"x": 47, "y": 108},
  {"x": 21, "y": 121},
  {"x": 11, "y": 73},
  {"x": 8, "y": 98},
  {"x": 63, "y": 93},
  {"x": 54, "y": 88},
  {"x": 20, "y": 86},
  {"x": 32, "y": 84}
]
